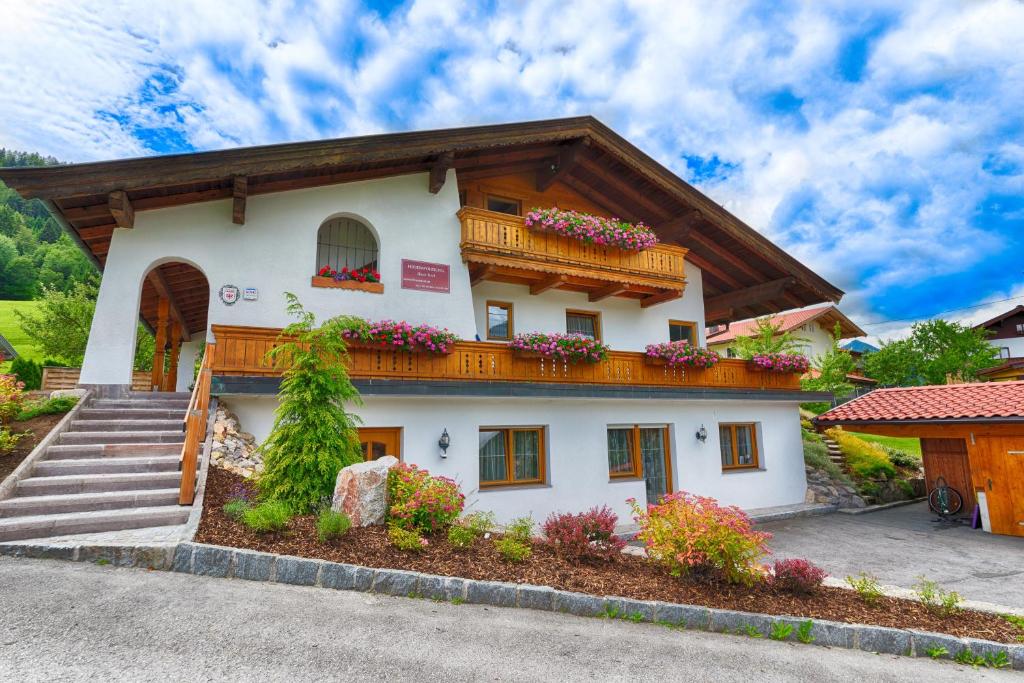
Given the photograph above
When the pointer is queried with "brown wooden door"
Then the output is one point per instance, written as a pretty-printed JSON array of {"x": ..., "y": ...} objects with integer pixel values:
[
  {"x": 1001, "y": 476},
  {"x": 947, "y": 458},
  {"x": 377, "y": 442}
]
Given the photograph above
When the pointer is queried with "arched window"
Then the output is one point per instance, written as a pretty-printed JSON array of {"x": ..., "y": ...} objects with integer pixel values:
[{"x": 345, "y": 243}]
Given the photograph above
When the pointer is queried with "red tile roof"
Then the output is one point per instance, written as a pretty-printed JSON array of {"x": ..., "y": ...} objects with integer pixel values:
[
  {"x": 985, "y": 401},
  {"x": 789, "y": 321}
]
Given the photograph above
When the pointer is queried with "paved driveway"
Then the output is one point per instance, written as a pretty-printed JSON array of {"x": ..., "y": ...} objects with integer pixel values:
[
  {"x": 899, "y": 544},
  {"x": 64, "y": 621}
]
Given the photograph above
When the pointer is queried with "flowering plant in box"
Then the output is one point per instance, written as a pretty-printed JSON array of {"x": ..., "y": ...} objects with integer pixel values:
[
  {"x": 781, "y": 362},
  {"x": 399, "y": 335},
  {"x": 567, "y": 347},
  {"x": 683, "y": 353},
  {"x": 593, "y": 229},
  {"x": 364, "y": 274}
]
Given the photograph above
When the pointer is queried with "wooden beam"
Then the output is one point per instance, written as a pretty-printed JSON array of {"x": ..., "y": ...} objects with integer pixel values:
[
  {"x": 160, "y": 341},
  {"x": 622, "y": 186},
  {"x": 546, "y": 284},
  {"x": 603, "y": 200},
  {"x": 680, "y": 227},
  {"x": 655, "y": 299},
  {"x": 121, "y": 208},
  {"x": 439, "y": 171},
  {"x": 239, "y": 191},
  {"x": 481, "y": 275},
  {"x": 721, "y": 315},
  {"x": 708, "y": 267},
  {"x": 171, "y": 378},
  {"x": 163, "y": 290},
  {"x": 614, "y": 289},
  {"x": 739, "y": 263},
  {"x": 560, "y": 166},
  {"x": 749, "y": 295}
]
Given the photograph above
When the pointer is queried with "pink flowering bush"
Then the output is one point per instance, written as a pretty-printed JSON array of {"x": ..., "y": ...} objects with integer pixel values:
[
  {"x": 683, "y": 353},
  {"x": 12, "y": 397},
  {"x": 399, "y": 336},
  {"x": 781, "y": 362},
  {"x": 593, "y": 229},
  {"x": 695, "y": 536},
  {"x": 422, "y": 503},
  {"x": 572, "y": 348},
  {"x": 585, "y": 535},
  {"x": 800, "y": 577}
]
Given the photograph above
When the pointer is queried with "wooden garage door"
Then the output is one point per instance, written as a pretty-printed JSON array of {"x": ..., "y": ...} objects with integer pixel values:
[
  {"x": 1000, "y": 473},
  {"x": 947, "y": 458}
]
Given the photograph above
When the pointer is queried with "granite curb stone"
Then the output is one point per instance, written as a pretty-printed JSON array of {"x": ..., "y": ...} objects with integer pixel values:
[
  {"x": 296, "y": 571},
  {"x": 580, "y": 604},
  {"x": 887, "y": 641},
  {"x": 396, "y": 582},
  {"x": 182, "y": 561},
  {"x": 252, "y": 566},
  {"x": 626, "y": 608},
  {"x": 208, "y": 560},
  {"x": 341, "y": 576},
  {"x": 446, "y": 588},
  {"x": 491, "y": 593},
  {"x": 688, "y": 616}
]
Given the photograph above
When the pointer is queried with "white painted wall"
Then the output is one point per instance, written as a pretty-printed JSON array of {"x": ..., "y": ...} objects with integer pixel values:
[
  {"x": 275, "y": 251},
  {"x": 1014, "y": 344},
  {"x": 187, "y": 363},
  {"x": 817, "y": 340},
  {"x": 576, "y": 436},
  {"x": 625, "y": 326}
]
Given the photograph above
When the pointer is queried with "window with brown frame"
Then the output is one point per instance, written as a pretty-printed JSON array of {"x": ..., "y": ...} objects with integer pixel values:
[
  {"x": 587, "y": 323},
  {"x": 682, "y": 330},
  {"x": 511, "y": 455},
  {"x": 513, "y": 207},
  {"x": 499, "y": 320},
  {"x": 739, "y": 446},
  {"x": 641, "y": 451}
]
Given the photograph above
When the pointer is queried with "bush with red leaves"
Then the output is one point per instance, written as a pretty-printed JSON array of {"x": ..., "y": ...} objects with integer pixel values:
[
  {"x": 800, "y": 577},
  {"x": 584, "y": 535}
]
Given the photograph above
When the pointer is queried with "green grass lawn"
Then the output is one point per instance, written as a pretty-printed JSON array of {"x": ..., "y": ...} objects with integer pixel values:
[
  {"x": 10, "y": 329},
  {"x": 909, "y": 444}
]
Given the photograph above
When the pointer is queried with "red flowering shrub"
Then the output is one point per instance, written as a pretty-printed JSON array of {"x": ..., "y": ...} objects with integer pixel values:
[
  {"x": 364, "y": 274},
  {"x": 800, "y": 577},
  {"x": 694, "y": 535},
  {"x": 420, "y": 502},
  {"x": 12, "y": 397},
  {"x": 584, "y": 535}
]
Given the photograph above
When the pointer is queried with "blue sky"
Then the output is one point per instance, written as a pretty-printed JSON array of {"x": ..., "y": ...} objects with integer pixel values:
[{"x": 880, "y": 142}]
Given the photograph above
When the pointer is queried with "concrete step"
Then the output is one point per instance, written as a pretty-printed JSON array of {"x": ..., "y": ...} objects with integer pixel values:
[
  {"x": 141, "y": 437},
  {"x": 115, "y": 450},
  {"x": 56, "y": 468},
  {"x": 120, "y": 403},
  {"x": 131, "y": 414},
  {"x": 128, "y": 425},
  {"x": 86, "y": 502},
  {"x": 41, "y": 526},
  {"x": 94, "y": 483}
]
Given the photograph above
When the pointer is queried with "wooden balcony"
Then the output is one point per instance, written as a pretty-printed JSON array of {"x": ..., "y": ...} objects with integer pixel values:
[
  {"x": 241, "y": 351},
  {"x": 499, "y": 247}
]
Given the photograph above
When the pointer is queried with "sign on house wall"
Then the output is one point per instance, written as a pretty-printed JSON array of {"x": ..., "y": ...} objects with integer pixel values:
[{"x": 426, "y": 277}]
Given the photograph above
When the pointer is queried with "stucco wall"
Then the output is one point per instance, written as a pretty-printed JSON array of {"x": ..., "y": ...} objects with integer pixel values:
[
  {"x": 817, "y": 341},
  {"x": 625, "y": 326},
  {"x": 1015, "y": 344},
  {"x": 576, "y": 435},
  {"x": 275, "y": 251}
]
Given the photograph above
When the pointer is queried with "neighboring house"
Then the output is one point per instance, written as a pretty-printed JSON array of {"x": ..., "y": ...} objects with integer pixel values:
[
  {"x": 813, "y": 326},
  {"x": 7, "y": 351},
  {"x": 1006, "y": 333},
  {"x": 205, "y": 245},
  {"x": 972, "y": 437},
  {"x": 858, "y": 349}
]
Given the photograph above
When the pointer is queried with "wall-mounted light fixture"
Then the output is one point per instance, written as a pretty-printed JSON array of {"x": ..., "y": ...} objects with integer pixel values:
[
  {"x": 702, "y": 434},
  {"x": 444, "y": 442}
]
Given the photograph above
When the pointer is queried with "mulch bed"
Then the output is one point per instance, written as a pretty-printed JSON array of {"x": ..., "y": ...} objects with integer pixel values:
[
  {"x": 628, "y": 576},
  {"x": 38, "y": 428}
]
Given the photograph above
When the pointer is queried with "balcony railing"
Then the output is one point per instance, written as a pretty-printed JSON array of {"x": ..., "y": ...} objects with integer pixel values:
[
  {"x": 242, "y": 351},
  {"x": 500, "y": 247}
]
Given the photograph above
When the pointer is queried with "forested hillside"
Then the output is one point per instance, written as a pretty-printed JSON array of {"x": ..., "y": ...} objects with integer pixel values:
[{"x": 34, "y": 251}]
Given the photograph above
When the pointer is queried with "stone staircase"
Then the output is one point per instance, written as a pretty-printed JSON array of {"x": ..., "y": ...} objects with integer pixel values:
[
  {"x": 835, "y": 453},
  {"x": 115, "y": 468}
]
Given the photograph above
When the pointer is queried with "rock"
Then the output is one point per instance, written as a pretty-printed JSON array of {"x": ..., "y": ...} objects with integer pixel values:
[
  {"x": 361, "y": 491},
  {"x": 233, "y": 449},
  {"x": 58, "y": 393},
  {"x": 809, "y": 497}
]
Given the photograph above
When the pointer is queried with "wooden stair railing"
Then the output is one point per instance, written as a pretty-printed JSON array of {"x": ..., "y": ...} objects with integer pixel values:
[{"x": 195, "y": 427}]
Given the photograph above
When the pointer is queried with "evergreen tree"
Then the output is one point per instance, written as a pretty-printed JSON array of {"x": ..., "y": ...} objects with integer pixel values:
[
  {"x": 313, "y": 436},
  {"x": 768, "y": 338},
  {"x": 832, "y": 368}
]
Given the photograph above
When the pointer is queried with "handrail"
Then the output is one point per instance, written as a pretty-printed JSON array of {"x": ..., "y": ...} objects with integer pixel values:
[{"x": 195, "y": 427}]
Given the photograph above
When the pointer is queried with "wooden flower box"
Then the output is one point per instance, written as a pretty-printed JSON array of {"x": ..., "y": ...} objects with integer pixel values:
[{"x": 371, "y": 287}]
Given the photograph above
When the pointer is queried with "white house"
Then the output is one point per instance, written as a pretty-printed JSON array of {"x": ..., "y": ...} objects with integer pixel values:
[
  {"x": 812, "y": 327},
  {"x": 204, "y": 246}
]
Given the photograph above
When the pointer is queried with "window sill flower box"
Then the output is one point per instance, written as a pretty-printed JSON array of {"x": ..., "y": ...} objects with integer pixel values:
[
  {"x": 680, "y": 354},
  {"x": 570, "y": 348},
  {"x": 780, "y": 362},
  {"x": 592, "y": 229},
  {"x": 389, "y": 335},
  {"x": 371, "y": 287}
]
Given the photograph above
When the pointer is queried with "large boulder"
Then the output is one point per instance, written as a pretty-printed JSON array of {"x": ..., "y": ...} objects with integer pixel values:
[{"x": 361, "y": 491}]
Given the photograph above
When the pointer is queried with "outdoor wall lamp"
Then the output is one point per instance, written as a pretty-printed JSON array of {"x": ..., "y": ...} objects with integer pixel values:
[
  {"x": 444, "y": 442},
  {"x": 702, "y": 434}
]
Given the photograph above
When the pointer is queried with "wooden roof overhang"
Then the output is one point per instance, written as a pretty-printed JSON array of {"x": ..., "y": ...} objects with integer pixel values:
[
  {"x": 847, "y": 328},
  {"x": 744, "y": 274}
]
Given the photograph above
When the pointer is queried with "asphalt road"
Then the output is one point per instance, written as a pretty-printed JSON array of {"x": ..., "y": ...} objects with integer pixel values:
[
  {"x": 903, "y": 543},
  {"x": 63, "y": 621}
]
